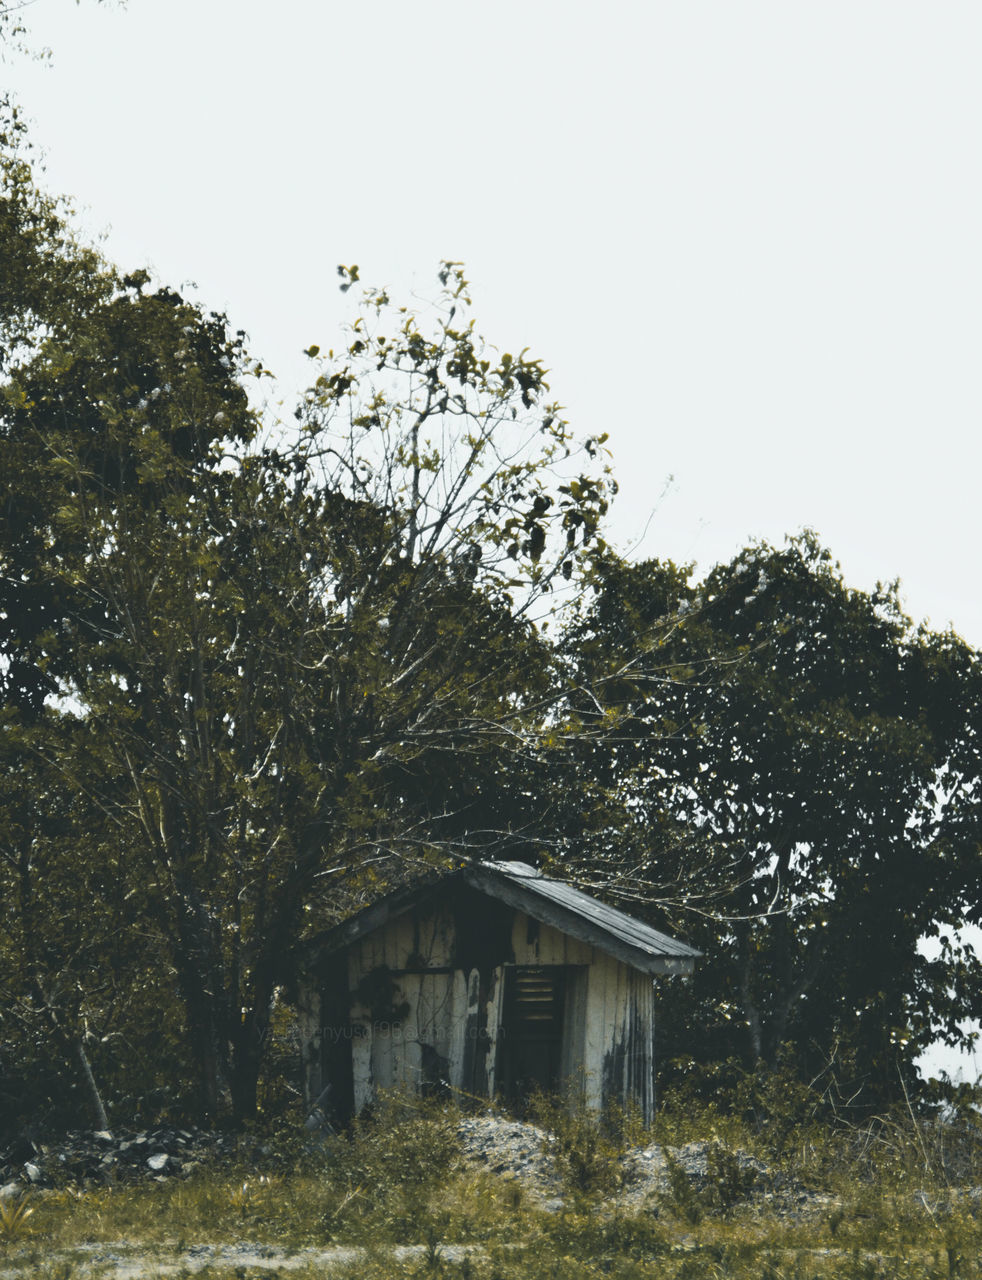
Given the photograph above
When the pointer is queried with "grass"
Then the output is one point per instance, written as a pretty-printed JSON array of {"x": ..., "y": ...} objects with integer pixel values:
[
  {"x": 14, "y": 1213},
  {"x": 887, "y": 1199}
]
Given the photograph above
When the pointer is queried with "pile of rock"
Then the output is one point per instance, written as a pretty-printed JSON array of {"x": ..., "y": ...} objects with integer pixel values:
[
  {"x": 648, "y": 1171},
  {"x": 511, "y": 1149},
  {"x": 521, "y": 1152},
  {"x": 89, "y": 1158}
]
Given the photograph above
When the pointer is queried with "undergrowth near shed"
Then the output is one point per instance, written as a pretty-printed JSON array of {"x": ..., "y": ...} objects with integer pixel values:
[
  {"x": 587, "y": 1150},
  {"x": 395, "y": 1197}
]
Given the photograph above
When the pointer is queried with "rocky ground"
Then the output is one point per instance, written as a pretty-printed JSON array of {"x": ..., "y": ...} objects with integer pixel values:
[
  {"x": 524, "y": 1152},
  {"x": 508, "y": 1148},
  {"x": 647, "y": 1178},
  {"x": 83, "y": 1159}
]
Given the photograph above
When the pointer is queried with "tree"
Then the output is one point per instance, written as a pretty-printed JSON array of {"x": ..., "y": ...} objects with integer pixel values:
[
  {"x": 84, "y": 1002},
  {"x": 48, "y": 283},
  {"x": 279, "y": 660},
  {"x": 264, "y": 671},
  {"x": 806, "y": 734}
]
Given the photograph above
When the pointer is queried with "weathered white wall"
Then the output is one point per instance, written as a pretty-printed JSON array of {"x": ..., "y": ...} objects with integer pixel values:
[
  {"x": 608, "y": 1024},
  {"x": 535, "y": 943},
  {"x": 388, "y": 1052},
  {"x": 425, "y": 940}
]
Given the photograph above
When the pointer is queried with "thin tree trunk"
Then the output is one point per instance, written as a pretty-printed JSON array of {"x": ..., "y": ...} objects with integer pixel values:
[
  {"x": 751, "y": 1012},
  {"x": 99, "y": 1110}
]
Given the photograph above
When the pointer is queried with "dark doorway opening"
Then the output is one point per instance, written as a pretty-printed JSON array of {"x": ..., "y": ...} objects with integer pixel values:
[{"x": 531, "y": 1036}]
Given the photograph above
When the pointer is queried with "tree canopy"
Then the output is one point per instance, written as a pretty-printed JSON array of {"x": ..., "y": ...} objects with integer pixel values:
[
  {"x": 811, "y": 741},
  {"x": 269, "y": 661}
]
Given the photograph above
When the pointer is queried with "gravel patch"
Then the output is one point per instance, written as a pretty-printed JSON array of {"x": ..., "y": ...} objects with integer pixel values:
[
  {"x": 512, "y": 1149},
  {"x": 520, "y": 1151},
  {"x": 96, "y": 1157},
  {"x": 119, "y": 1260}
]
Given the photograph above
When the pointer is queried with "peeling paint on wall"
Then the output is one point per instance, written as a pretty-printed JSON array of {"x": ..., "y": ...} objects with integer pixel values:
[{"x": 428, "y": 1009}]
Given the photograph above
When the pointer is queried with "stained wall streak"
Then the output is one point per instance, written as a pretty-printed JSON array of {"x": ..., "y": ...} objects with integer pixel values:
[{"x": 427, "y": 1012}]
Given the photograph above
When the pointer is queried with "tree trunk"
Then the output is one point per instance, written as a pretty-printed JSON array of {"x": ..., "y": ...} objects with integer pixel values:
[
  {"x": 750, "y": 1009},
  {"x": 204, "y": 1034},
  {"x": 202, "y": 997},
  {"x": 98, "y": 1109},
  {"x": 243, "y": 1083}
]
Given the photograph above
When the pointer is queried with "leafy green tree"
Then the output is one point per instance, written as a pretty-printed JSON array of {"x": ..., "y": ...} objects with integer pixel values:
[
  {"x": 266, "y": 670},
  {"x": 805, "y": 736},
  {"x": 278, "y": 662},
  {"x": 86, "y": 1017},
  {"x": 48, "y": 283}
]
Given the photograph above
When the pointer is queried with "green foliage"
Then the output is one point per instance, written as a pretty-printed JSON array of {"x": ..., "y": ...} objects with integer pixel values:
[
  {"x": 424, "y": 1213},
  {"x": 587, "y": 1148},
  {"x": 420, "y": 410},
  {"x": 727, "y": 1184},
  {"x": 770, "y": 1105},
  {"x": 390, "y": 1169},
  {"x": 729, "y": 1181},
  {"x": 796, "y": 765},
  {"x": 400, "y": 1139},
  {"x": 270, "y": 681},
  {"x": 14, "y": 1213},
  {"x": 680, "y": 1198}
]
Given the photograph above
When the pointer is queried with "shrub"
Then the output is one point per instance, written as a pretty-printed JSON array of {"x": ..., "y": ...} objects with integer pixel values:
[
  {"x": 587, "y": 1147},
  {"x": 387, "y": 1169},
  {"x": 14, "y": 1212}
]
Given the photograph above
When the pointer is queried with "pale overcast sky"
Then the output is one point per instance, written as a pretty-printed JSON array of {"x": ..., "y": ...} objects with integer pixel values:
[{"x": 744, "y": 235}]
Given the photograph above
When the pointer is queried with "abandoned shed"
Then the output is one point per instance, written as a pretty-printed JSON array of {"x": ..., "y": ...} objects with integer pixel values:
[{"x": 491, "y": 981}]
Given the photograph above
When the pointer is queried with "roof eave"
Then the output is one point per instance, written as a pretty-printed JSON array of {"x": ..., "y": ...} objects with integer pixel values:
[{"x": 577, "y": 926}]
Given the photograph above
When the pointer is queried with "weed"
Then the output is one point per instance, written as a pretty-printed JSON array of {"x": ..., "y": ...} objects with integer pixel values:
[
  {"x": 14, "y": 1213},
  {"x": 681, "y": 1199},
  {"x": 252, "y": 1199},
  {"x": 59, "y": 1269},
  {"x": 406, "y": 1151},
  {"x": 884, "y": 1208},
  {"x": 728, "y": 1179},
  {"x": 587, "y": 1148}
]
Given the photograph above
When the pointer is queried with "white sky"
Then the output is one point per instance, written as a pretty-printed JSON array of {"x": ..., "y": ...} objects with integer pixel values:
[{"x": 743, "y": 234}]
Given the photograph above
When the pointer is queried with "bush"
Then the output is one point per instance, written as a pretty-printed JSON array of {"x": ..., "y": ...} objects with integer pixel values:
[
  {"x": 587, "y": 1147},
  {"x": 387, "y": 1169}
]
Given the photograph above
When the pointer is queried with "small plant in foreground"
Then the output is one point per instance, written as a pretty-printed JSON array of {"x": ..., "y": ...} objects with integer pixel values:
[
  {"x": 587, "y": 1147},
  {"x": 407, "y": 1152},
  {"x": 14, "y": 1213},
  {"x": 681, "y": 1199},
  {"x": 728, "y": 1180},
  {"x": 249, "y": 1195},
  {"x": 61, "y": 1269}
]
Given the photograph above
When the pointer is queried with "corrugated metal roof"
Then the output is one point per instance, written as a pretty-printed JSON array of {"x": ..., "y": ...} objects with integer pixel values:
[
  {"x": 552, "y": 902},
  {"x": 609, "y": 919}
]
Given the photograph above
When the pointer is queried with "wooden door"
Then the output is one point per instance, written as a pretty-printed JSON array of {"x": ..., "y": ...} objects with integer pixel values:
[{"x": 531, "y": 1033}]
